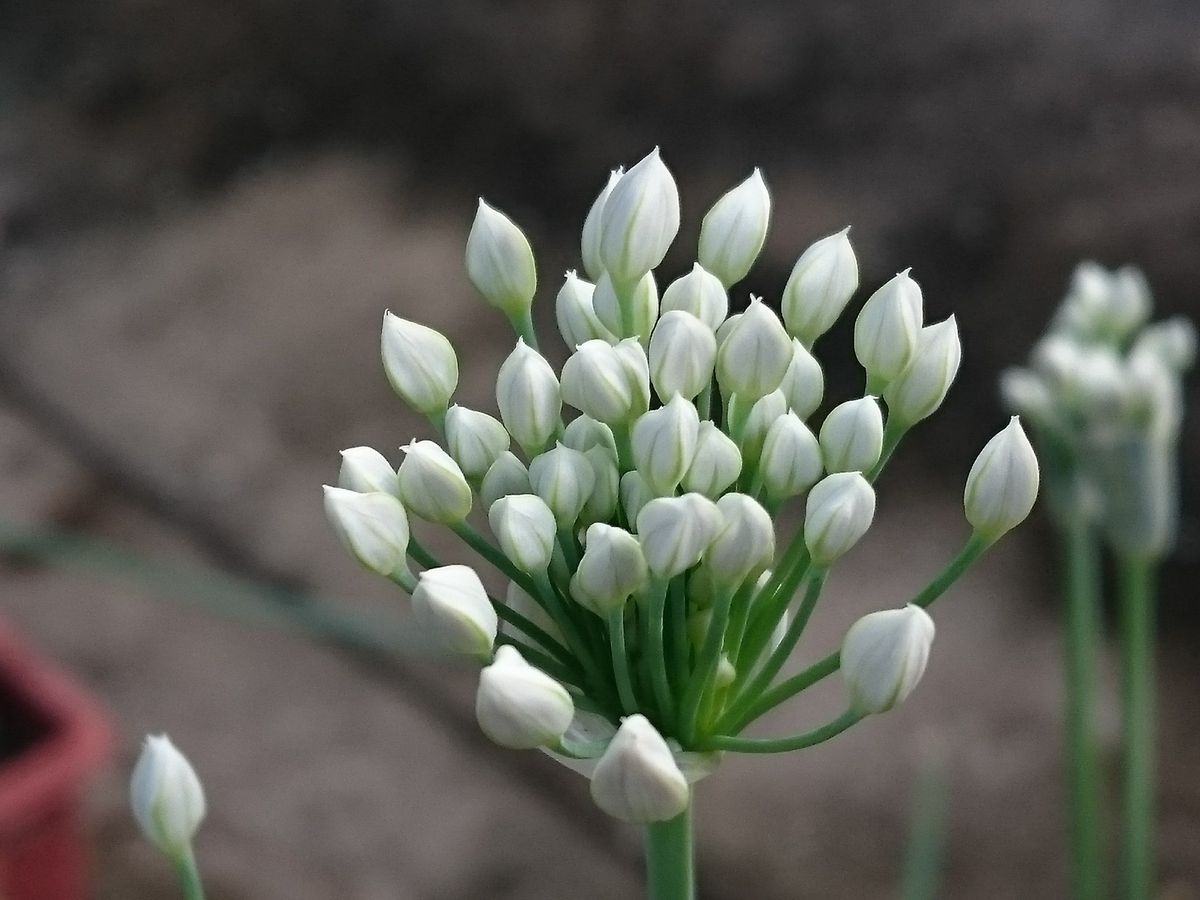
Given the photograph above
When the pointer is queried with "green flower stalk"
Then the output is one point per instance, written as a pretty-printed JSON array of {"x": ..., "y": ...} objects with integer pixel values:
[{"x": 632, "y": 499}]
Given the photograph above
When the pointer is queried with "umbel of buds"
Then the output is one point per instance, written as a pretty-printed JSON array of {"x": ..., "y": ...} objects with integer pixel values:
[{"x": 639, "y": 499}]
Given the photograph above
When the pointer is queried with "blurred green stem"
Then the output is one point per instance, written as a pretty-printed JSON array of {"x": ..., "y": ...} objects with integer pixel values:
[
  {"x": 189, "y": 877},
  {"x": 1137, "y": 643},
  {"x": 670, "y": 859},
  {"x": 927, "y": 841}
]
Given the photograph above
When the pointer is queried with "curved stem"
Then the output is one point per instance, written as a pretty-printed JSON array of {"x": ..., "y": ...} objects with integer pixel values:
[
  {"x": 1137, "y": 649},
  {"x": 189, "y": 877},
  {"x": 523, "y": 325},
  {"x": 655, "y": 652},
  {"x": 893, "y": 433},
  {"x": 670, "y": 859},
  {"x": 706, "y": 665},
  {"x": 620, "y": 661},
  {"x": 783, "y": 744}
]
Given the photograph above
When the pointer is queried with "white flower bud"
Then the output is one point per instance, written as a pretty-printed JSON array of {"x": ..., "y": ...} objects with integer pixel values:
[
  {"x": 1172, "y": 342},
  {"x": 601, "y": 381},
  {"x": 884, "y": 656},
  {"x": 519, "y": 706},
  {"x": 716, "y": 465},
  {"x": 803, "y": 383},
  {"x": 852, "y": 436},
  {"x": 602, "y": 503},
  {"x": 1003, "y": 483},
  {"x": 366, "y": 470},
  {"x": 527, "y": 395},
  {"x": 699, "y": 293},
  {"x": 821, "y": 284},
  {"x": 639, "y": 221},
  {"x": 516, "y": 599},
  {"x": 611, "y": 569},
  {"x": 733, "y": 231},
  {"x": 922, "y": 386},
  {"x": 373, "y": 527},
  {"x": 575, "y": 314},
  {"x": 564, "y": 479},
  {"x": 420, "y": 364},
  {"x": 745, "y": 545},
  {"x": 839, "y": 512},
  {"x": 525, "y": 528},
  {"x": 664, "y": 444},
  {"x": 635, "y": 494},
  {"x": 583, "y": 433},
  {"x": 791, "y": 462},
  {"x": 637, "y": 367},
  {"x": 675, "y": 532},
  {"x": 450, "y": 603},
  {"x": 590, "y": 241},
  {"x": 762, "y": 416},
  {"x": 507, "y": 475},
  {"x": 1027, "y": 393},
  {"x": 500, "y": 262},
  {"x": 637, "y": 779},
  {"x": 474, "y": 439},
  {"x": 683, "y": 351},
  {"x": 885, "y": 333},
  {"x": 166, "y": 797},
  {"x": 432, "y": 485},
  {"x": 641, "y": 302},
  {"x": 754, "y": 357}
]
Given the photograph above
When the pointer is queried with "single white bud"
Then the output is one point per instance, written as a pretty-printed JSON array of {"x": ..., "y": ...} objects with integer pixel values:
[
  {"x": 507, "y": 475},
  {"x": 803, "y": 383},
  {"x": 726, "y": 673},
  {"x": 639, "y": 221},
  {"x": 564, "y": 479},
  {"x": 516, "y": 599},
  {"x": 420, "y": 364},
  {"x": 725, "y": 329},
  {"x": 583, "y": 433},
  {"x": 683, "y": 351},
  {"x": 451, "y": 604},
  {"x": 611, "y": 569},
  {"x": 753, "y": 359},
  {"x": 637, "y": 779},
  {"x": 519, "y": 706},
  {"x": 1026, "y": 392},
  {"x": 641, "y": 302},
  {"x": 884, "y": 656},
  {"x": 745, "y": 545},
  {"x": 528, "y": 397},
  {"x": 166, "y": 797},
  {"x": 602, "y": 502},
  {"x": 1172, "y": 342},
  {"x": 474, "y": 439},
  {"x": 432, "y": 485},
  {"x": 822, "y": 282},
  {"x": 733, "y": 231},
  {"x": 373, "y": 527},
  {"x": 763, "y": 414},
  {"x": 635, "y": 494},
  {"x": 675, "y": 532},
  {"x": 716, "y": 465},
  {"x": 664, "y": 443},
  {"x": 1130, "y": 302},
  {"x": 575, "y": 314},
  {"x": 500, "y": 262},
  {"x": 590, "y": 241},
  {"x": 791, "y": 461},
  {"x": 925, "y": 381},
  {"x": 600, "y": 381},
  {"x": 637, "y": 367},
  {"x": 699, "y": 293},
  {"x": 885, "y": 333},
  {"x": 852, "y": 436},
  {"x": 525, "y": 527},
  {"x": 366, "y": 470},
  {"x": 838, "y": 513},
  {"x": 1003, "y": 483}
]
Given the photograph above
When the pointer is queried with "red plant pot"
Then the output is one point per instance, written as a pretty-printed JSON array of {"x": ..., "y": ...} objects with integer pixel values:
[{"x": 53, "y": 738}]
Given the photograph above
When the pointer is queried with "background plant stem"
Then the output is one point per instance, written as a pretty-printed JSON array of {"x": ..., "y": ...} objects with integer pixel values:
[{"x": 1137, "y": 644}]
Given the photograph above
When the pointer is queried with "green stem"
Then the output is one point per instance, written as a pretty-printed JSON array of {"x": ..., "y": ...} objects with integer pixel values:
[
  {"x": 620, "y": 661},
  {"x": 543, "y": 661},
  {"x": 655, "y": 652},
  {"x": 680, "y": 643},
  {"x": 783, "y": 744},
  {"x": 670, "y": 859},
  {"x": 893, "y": 433},
  {"x": 706, "y": 665},
  {"x": 1136, "y": 577},
  {"x": 523, "y": 325},
  {"x": 189, "y": 876}
]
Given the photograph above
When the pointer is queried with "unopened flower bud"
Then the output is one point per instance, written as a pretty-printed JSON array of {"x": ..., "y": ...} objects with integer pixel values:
[
  {"x": 637, "y": 779},
  {"x": 884, "y": 656},
  {"x": 525, "y": 527},
  {"x": 753, "y": 359},
  {"x": 1003, "y": 483},
  {"x": 675, "y": 532},
  {"x": 166, "y": 797},
  {"x": 683, "y": 351},
  {"x": 922, "y": 386},
  {"x": 838, "y": 513},
  {"x": 627, "y": 312},
  {"x": 564, "y": 479},
  {"x": 583, "y": 433},
  {"x": 519, "y": 706},
  {"x": 664, "y": 443},
  {"x": 733, "y": 231},
  {"x": 1026, "y": 392},
  {"x": 765, "y": 412},
  {"x": 420, "y": 364},
  {"x": 432, "y": 485},
  {"x": 716, "y": 465},
  {"x": 365, "y": 470},
  {"x": 803, "y": 383},
  {"x": 507, "y": 475},
  {"x": 639, "y": 220},
  {"x": 611, "y": 569},
  {"x": 791, "y": 461},
  {"x": 745, "y": 545},
  {"x": 602, "y": 502},
  {"x": 590, "y": 241},
  {"x": 450, "y": 603},
  {"x": 852, "y": 436},
  {"x": 500, "y": 262},
  {"x": 575, "y": 314},
  {"x": 821, "y": 284},
  {"x": 726, "y": 328},
  {"x": 635, "y": 494},
  {"x": 474, "y": 439},
  {"x": 726, "y": 673},
  {"x": 605, "y": 382},
  {"x": 1173, "y": 342},
  {"x": 885, "y": 333},
  {"x": 373, "y": 527},
  {"x": 527, "y": 395},
  {"x": 699, "y": 293}
]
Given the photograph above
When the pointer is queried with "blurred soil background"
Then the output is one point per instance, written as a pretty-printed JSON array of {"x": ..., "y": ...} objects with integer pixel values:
[{"x": 205, "y": 207}]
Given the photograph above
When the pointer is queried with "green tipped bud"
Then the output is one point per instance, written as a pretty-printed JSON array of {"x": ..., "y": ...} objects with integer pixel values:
[
  {"x": 639, "y": 220},
  {"x": 525, "y": 527},
  {"x": 1003, "y": 483}
]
